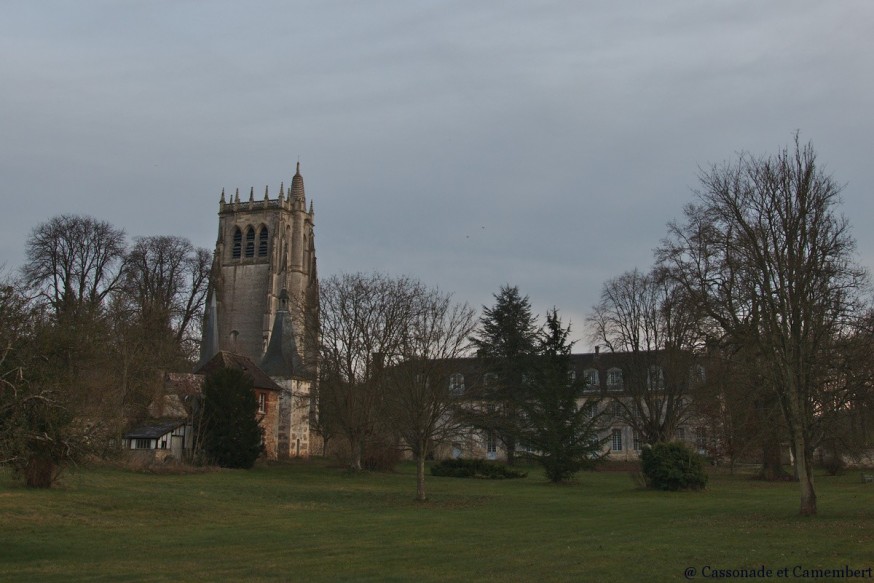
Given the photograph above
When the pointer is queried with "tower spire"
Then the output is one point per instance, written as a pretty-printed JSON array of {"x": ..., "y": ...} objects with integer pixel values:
[{"x": 296, "y": 192}]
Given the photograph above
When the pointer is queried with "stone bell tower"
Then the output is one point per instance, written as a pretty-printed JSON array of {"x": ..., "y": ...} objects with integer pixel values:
[{"x": 263, "y": 298}]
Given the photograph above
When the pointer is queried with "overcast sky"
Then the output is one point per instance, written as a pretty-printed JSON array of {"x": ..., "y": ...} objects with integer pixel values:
[{"x": 469, "y": 144}]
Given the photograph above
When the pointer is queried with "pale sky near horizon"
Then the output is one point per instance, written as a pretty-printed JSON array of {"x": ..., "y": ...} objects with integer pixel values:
[{"x": 543, "y": 144}]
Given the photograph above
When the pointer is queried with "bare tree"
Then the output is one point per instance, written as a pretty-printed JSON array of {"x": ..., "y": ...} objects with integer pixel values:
[
  {"x": 363, "y": 320},
  {"x": 742, "y": 418},
  {"x": 421, "y": 403},
  {"x": 165, "y": 282},
  {"x": 847, "y": 417},
  {"x": 40, "y": 431},
  {"x": 765, "y": 255},
  {"x": 644, "y": 318},
  {"x": 75, "y": 262}
]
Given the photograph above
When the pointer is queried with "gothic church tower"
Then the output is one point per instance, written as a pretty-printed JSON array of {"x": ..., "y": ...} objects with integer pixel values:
[{"x": 263, "y": 299}]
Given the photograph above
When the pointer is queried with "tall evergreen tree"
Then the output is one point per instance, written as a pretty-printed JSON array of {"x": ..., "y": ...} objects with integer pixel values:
[
  {"x": 229, "y": 429},
  {"x": 506, "y": 341},
  {"x": 559, "y": 429}
]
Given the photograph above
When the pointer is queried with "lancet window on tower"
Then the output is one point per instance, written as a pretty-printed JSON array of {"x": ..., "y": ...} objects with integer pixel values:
[
  {"x": 238, "y": 243},
  {"x": 262, "y": 242},
  {"x": 250, "y": 242}
]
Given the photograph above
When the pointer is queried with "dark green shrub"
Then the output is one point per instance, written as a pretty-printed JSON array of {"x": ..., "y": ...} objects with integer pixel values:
[
  {"x": 673, "y": 466},
  {"x": 462, "y": 468},
  {"x": 381, "y": 454},
  {"x": 229, "y": 429}
]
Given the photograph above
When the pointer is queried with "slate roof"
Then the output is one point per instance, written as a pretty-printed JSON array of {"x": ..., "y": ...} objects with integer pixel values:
[
  {"x": 282, "y": 358},
  {"x": 225, "y": 359},
  {"x": 153, "y": 430}
]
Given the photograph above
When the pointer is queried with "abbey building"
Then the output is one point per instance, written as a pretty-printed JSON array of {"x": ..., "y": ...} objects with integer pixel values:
[{"x": 262, "y": 307}]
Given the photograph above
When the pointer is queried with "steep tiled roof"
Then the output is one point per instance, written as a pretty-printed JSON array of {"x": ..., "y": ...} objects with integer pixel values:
[{"x": 225, "y": 359}]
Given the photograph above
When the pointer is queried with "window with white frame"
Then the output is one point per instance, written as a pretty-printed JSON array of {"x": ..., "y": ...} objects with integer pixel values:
[
  {"x": 680, "y": 434},
  {"x": 262, "y": 402},
  {"x": 616, "y": 440},
  {"x": 616, "y": 409},
  {"x": 635, "y": 440},
  {"x": 614, "y": 379},
  {"x": 697, "y": 374},
  {"x": 656, "y": 377},
  {"x": 701, "y": 439},
  {"x": 456, "y": 384},
  {"x": 140, "y": 443},
  {"x": 491, "y": 443},
  {"x": 593, "y": 381}
]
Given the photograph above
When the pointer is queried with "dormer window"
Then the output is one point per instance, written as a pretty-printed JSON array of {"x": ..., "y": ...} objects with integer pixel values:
[
  {"x": 456, "y": 384},
  {"x": 593, "y": 380},
  {"x": 614, "y": 379},
  {"x": 656, "y": 378}
]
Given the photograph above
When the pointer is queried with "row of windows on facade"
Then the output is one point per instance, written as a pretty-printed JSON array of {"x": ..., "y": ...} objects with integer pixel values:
[
  {"x": 701, "y": 442},
  {"x": 237, "y": 249},
  {"x": 617, "y": 410},
  {"x": 614, "y": 379},
  {"x": 592, "y": 378},
  {"x": 616, "y": 440}
]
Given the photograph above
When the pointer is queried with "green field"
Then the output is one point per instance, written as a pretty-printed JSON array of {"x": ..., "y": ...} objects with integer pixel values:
[{"x": 313, "y": 522}]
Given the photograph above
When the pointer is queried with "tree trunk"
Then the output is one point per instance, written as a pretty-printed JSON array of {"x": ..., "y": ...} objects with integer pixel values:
[
  {"x": 39, "y": 472},
  {"x": 356, "y": 446},
  {"x": 420, "y": 473},
  {"x": 510, "y": 444},
  {"x": 804, "y": 471},
  {"x": 772, "y": 458}
]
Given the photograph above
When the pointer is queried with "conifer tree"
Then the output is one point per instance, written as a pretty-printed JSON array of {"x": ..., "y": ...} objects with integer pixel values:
[
  {"x": 229, "y": 429},
  {"x": 560, "y": 430},
  {"x": 506, "y": 341}
]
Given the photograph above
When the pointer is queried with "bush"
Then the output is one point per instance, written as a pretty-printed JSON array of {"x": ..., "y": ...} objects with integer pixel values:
[
  {"x": 229, "y": 428},
  {"x": 673, "y": 466},
  {"x": 381, "y": 455},
  {"x": 39, "y": 436},
  {"x": 461, "y": 468}
]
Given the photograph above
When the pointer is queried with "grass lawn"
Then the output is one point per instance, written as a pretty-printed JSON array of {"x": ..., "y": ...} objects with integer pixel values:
[{"x": 312, "y": 522}]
